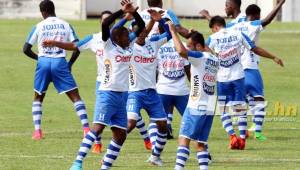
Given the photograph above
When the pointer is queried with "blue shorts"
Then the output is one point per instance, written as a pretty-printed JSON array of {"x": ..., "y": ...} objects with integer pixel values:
[
  {"x": 54, "y": 70},
  {"x": 97, "y": 101},
  {"x": 170, "y": 101},
  {"x": 111, "y": 109},
  {"x": 253, "y": 83},
  {"x": 232, "y": 93},
  {"x": 196, "y": 125},
  {"x": 145, "y": 99}
]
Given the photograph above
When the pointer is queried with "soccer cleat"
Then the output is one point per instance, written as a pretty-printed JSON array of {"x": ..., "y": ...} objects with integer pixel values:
[
  {"x": 259, "y": 136},
  {"x": 97, "y": 148},
  {"x": 234, "y": 144},
  {"x": 252, "y": 128},
  {"x": 37, "y": 135},
  {"x": 155, "y": 160},
  {"x": 76, "y": 166},
  {"x": 242, "y": 143},
  {"x": 85, "y": 131},
  {"x": 148, "y": 144}
]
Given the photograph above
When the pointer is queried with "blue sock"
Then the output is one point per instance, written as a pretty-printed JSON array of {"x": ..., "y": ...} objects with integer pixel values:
[
  {"x": 203, "y": 160},
  {"x": 37, "y": 114},
  {"x": 152, "y": 130},
  {"x": 111, "y": 155},
  {"x": 227, "y": 123},
  {"x": 85, "y": 146},
  {"x": 140, "y": 124},
  {"x": 161, "y": 140},
  {"x": 183, "y": 153},
  {"x": 81, "y": 113}
]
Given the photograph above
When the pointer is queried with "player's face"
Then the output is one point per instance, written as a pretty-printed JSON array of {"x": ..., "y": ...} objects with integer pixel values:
[
  {"x": 229, "y": 8},
  {"x": 123, "y": 39},
  {"x": 141, "y": 39},
  {"x": 191, "y": 44}
]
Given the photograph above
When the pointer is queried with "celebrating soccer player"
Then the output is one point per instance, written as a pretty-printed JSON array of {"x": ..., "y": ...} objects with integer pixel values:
[{"x": 52, "y": 65}]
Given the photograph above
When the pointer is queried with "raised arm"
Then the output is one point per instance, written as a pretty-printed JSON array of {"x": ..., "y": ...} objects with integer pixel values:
[
  {"x": 107, "y": 22},
  {"x": 205, "y": 14},
  {"x": 266, "y": 21},
  {"x": 182, "y": 51},
  {"x": 179, "y": 28},
  {"x": 264, "y": 53},
  {"x": 140, "y": 23}
]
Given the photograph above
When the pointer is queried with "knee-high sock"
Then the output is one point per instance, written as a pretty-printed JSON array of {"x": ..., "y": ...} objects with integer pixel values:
[
  {"x": 111, "y": 155},
  {"x": 203, "y": 160},
  {"x": 227, "y": 123},
  {"x": 161, "y": 140},
  {"x": 183, "y": 153},
  {"x": 152, "y": 130},
  {"x": 242, "y": 123},
  {"x": 37, "y": 114},
  {"x": 140, "y": 124},
  {"x": 169, "y": 121},
  {"x": 259, "y": 115},
  {"x": 81, "y": 113},
  {"x": 85, "y": 146}
]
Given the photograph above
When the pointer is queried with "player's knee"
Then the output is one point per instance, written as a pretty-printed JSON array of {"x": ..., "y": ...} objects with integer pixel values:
[
  {"x": 98, "y": 128},
  {"x": 200, "y": 147},
  {"x": 119, "y": 135},
  {"x": 74, "y": 95},
  {"x": 162, "y": 126},
  {"x": 131, "y": 125}
]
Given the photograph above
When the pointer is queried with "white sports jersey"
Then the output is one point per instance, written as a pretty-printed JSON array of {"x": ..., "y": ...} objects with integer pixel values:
[
  {"x": 116, "y": 61},
  {"x": 240, "y": 18},
  {"x": 52, "y": 28},
  {"x": 204, "y": 69},
  {"x": 171, "y": 72},
  {"x": 147, "y": 17},
  {"x": 252, "y": 29},
  {"x": 228, "y": 44},
  {"x": 95, "y": 44},
  {"x": 143, "y": 65}
]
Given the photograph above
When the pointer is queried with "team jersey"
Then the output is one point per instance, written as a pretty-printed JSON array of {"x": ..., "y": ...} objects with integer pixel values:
[
  {"x": 167, "y": 14},
  {"x": 115, "y": 71},
  {"x": 240, "y": 18},
  {"x": 228, "y": 44},
  {"x": 252, "y": 29},
  {"x": 171, "y": 72},
  {"x": 204, "y": 69},
  {"x": 95, "y": 44},
  {"x": 52, "y": 28},
  {"x": 144, "y": 63}
]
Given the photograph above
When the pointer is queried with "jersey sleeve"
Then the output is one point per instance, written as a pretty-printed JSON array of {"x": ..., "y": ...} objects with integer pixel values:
[
  {"x": 173, "y": 17},
  {"x": 72, "y": 36},
  {"x": 159, "y": 40},
  {"x": 33, "y": 36},
  {"x": 85, "y": 43},
  {"x": 247, "y": 42},
  {"x": 257, "y": 24},
  {"x": 193, "y": 57},
  {"x": 209, "y": 42}
]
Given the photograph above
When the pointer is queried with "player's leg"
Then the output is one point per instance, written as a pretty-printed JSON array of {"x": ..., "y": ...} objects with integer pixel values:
[
  {"x": 168, "y": 103},
  {"x": 144, "y": 132},
  {"x": 224, "y": 98},
  {"x": 119, "y": 132},
  {"x": 86, "y": 145},
  {"x": 239, "y": 108},
  {"x": 259, "y": 104},
  {"x": 97, "y": 148},
  {"x": 42, "y": 79},
  {"x": 155, "y": 109},
  {"x": 65, "y": 83}
]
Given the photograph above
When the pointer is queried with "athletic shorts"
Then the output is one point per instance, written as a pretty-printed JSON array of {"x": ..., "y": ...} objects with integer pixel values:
[
  {"x": 253, "y": 83},
  {"x": 169, "y": 101},
  {"x": 231, "y": 93}
]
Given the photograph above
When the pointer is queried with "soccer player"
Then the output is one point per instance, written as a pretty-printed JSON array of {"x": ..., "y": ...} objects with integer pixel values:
[
  {"x": 250, "y": 61},
  {"x": 95, "y": 44},
  {"x": 173, "y": 71},
  {"x": 113, "y": 87},
  {"x": 142, "y": 85},
  {"x": 228, "y": 44},
  {"x": 198, "y": 116},
  {"x": 232, "y": 9},
  {"x": 52, "y": 65}
]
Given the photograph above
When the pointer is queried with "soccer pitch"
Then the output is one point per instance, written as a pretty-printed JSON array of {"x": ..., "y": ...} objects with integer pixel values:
[{"x": 63, "y": 130}]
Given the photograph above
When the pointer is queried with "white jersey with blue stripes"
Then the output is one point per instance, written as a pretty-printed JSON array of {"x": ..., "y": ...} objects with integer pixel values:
[
  {"x": 204, "y": 69},
  {"x": 171, "y": 73},
  {"x": 252, "y": 29},
  {"x": 96, "y": 45},
  {"x": 228, "y": 44},
  {"x": 240, "y": 18},
  {"x": 52, "y": 28},
  {"x": 143, "y": 65}
]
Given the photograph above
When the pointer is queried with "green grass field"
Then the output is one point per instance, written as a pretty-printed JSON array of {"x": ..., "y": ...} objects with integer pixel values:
[{"x": 62, "y": 128}]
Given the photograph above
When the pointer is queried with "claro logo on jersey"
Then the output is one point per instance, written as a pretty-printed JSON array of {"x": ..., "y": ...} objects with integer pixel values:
[
  {"x": 132, "y": 76},
  {"x": 107, "y": 72},
  {"x": 141, "y": 59},
  {"x": 123, "y": 59}
]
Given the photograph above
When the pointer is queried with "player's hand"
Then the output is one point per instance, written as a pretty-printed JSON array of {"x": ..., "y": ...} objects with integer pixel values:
[
  {"x": 48, "y": 43},
  {"x": 127, "y": 6},
  {"x": 128, "y": 16},
  {"x": 278, "y": 61},
  {"x": 204, "y": 13},
  {"x": 156, "y": 16},
  {"x": 171, "y": 26}
]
